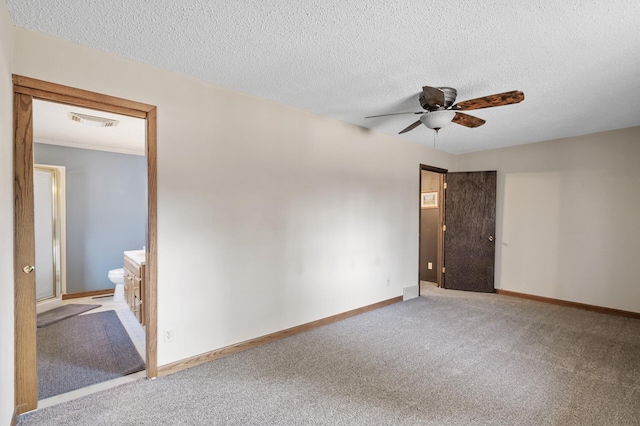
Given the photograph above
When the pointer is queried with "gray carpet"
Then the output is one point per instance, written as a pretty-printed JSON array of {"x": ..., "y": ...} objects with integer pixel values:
[
  {"x": 63, "y": 312},
  {"x": 450, "y": 358},
  {"x": 84, "y": 350}
]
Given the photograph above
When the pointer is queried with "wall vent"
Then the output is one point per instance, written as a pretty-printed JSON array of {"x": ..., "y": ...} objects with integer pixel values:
[{"x": 410, "y": 292}]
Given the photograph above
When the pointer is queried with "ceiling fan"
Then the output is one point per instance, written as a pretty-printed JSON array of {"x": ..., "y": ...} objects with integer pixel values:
[{"x": 440, "y": 109}]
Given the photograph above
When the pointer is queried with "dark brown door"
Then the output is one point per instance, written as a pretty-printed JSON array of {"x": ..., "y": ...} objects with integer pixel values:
[{"x": 469, "y": 240}]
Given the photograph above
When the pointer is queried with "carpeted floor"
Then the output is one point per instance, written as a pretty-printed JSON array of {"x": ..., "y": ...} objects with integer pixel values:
[
  {"x": 84, "y": 350},
  {"x": 450, "y": 358}
]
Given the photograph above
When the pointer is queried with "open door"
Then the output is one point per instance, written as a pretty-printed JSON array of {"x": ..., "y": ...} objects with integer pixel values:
[
  {"x": 26, "y": 380},
  {"x": 469, "y": 242}
]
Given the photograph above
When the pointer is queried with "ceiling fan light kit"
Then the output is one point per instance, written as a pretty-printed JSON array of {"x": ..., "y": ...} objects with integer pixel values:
[
  {"x": 437, "y": 119},
  {"x": 440, "y": 110}
]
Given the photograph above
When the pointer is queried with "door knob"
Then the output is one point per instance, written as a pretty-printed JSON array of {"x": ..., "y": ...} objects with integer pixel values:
[
  {"x": 28, "y": 269},
  {"x": 490, "y": 237}
]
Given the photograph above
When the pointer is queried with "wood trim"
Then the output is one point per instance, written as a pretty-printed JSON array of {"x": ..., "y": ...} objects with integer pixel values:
[
  {"x": 151, "y": 291},
  {"x": 433, "y": 169},
  {"x": 50, "y": 91},
  {"x": 26, "y": 379},
  {"x": 29, "y": 88},
  {"x": 70, "y": 100},
  {"x": 440, "y": 254},
  {"x": 600, "y": 309},
  {"x": 441, "y": 211},
  {"x": 419, "y": 225},
  {"x": 14, "y": 418},
  {"x": 87, "y": 294},
  {"x": 258, "y": 341}
]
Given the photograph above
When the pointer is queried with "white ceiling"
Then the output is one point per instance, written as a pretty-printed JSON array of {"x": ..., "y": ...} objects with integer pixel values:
[
  {"x": 577, "y": 61},
  {"x": 52, "y": 125}
]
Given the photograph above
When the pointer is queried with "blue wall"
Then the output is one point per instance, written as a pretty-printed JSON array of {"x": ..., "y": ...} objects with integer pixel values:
[{"x": 106, "y": 210}]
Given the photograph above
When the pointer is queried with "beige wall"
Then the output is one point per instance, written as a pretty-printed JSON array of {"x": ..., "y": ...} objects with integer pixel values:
[
  {"x": 268, "y": 216},
  {"x": 333, "y": 213},
  {"x": 6, "y": 216},
  {"x": 568, "y": 213}
]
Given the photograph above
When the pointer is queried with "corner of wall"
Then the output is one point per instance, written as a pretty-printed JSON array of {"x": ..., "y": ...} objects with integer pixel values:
[
  {"x": 6, "y": 217},
  {"x": 553, "y": 249}
]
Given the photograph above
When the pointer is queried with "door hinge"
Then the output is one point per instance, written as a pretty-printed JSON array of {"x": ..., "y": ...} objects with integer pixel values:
[
  {"x": 445, "y": 185},
  {"x": 444, "y": 227},
  {"x": 443, "y": 269}
]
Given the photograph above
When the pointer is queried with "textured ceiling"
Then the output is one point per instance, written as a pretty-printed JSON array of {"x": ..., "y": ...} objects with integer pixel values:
[
  {"x": 52, "y": 125},
  {"x": 577, "y": 61}
]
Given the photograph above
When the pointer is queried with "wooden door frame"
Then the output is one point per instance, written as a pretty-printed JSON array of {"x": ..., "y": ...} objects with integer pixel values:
[
  {"x": 441, "y": 210},
  {"x": 26, "y": 89}
]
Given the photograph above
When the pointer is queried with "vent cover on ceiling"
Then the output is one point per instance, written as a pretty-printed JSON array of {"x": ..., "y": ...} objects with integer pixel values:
[{"x": 91, "y": 120}]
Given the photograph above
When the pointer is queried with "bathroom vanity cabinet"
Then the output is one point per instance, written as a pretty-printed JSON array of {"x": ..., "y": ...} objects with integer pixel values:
[{"x": 134, "y": 278}]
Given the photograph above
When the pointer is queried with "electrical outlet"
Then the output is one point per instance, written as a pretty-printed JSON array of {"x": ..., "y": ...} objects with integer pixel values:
[
  {"x": 429, "y": 265},
  {"x": 169, "y": 335}
]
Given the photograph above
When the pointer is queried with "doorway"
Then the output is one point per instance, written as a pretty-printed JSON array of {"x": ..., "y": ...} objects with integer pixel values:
[
  {"x": 25, "y": 91},
  {"x": 457, "y": 229},
  {"x": 431, "y": 251}
]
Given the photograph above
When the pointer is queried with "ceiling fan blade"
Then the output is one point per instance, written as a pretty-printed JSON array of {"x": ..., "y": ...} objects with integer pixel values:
[
  {"x": 467, "y": 120},
  {"x": 433, "y": 96},
  {"x": 506, "y": 98},
  {"x": 410, "y": 127},
  {"x": 395, "y": 113}
]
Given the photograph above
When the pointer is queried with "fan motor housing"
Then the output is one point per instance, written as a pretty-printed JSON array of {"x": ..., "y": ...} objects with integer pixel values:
[{"x": 450, "y": 95}]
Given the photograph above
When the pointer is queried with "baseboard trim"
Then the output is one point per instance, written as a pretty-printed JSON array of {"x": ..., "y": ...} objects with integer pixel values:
[
  {"x": 87, "y": 294},
  {"x": 14, "y": 418},
  {"x": 258, "y": 341},
  {"x": 601, "y": 309}
]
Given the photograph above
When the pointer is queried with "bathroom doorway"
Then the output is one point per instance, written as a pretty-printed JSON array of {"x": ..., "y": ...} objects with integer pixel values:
[
  {"x": 105, "y": 192},
  {"x": 106, "y": 203},
  {"x": 26, "y": 91}
]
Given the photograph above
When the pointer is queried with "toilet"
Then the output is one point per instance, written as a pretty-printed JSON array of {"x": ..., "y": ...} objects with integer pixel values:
[{"x": 116, "y": 276}]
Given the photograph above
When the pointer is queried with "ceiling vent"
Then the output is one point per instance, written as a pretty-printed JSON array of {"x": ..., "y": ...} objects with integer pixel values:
[{"x": 91, "y": 120}]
